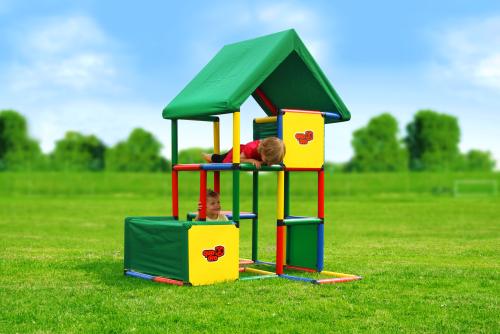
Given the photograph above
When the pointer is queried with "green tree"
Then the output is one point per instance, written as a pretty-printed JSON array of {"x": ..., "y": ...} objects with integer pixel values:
[
  {"x": 432, "y": 141},
  {"x": 476, "y": 160},
  {"x": 78, "y": 152},
  {"x": 139, "y": 153},
  {"x": 377, "y": 148},
  {"x": 17, "y": 150}
]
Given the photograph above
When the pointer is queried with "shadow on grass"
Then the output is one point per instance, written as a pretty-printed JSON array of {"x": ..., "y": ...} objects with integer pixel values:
[{"x": 110, "y": 273}]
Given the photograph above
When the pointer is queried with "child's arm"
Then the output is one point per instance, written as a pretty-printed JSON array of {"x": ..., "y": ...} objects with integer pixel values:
[{"x": 254, "y": 162}]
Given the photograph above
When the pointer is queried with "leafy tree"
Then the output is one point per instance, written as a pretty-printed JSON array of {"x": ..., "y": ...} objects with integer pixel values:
[
  {"x": 139, "y": 153},
  {"x": 376, "y": 147},
  {"x": 17, "y": 150},
  {"x": 476, "y": 160},
  {"x": 79, "y": 153},
  {"x": 432, "y": 141}
]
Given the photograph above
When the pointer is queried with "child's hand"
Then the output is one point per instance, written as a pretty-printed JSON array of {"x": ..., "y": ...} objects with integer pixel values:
[
  {"x": 256, "y": 163},
  {"x": 199, "y": 206}
]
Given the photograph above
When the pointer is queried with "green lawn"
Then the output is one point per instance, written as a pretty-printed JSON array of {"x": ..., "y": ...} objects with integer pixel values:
[{"x": 430, "y": 261}]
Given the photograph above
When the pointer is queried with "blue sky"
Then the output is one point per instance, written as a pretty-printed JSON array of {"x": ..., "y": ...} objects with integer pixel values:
[{"x": 106, "y": 67}]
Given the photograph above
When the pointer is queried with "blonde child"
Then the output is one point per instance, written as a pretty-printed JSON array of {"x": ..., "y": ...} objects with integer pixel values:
[{"x": 268, "y": 151}]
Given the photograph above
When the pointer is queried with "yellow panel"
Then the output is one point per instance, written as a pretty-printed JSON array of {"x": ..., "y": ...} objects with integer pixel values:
[
  {"x": 304, "y": 137},
  {"x": 206, "y": 264}
]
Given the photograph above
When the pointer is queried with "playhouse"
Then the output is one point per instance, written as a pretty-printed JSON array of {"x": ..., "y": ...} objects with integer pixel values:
[{"x": 281, "y": 75}]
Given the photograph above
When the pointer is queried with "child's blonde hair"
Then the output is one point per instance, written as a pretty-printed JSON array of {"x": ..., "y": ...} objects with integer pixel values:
[{"x": 273, "y": 149}]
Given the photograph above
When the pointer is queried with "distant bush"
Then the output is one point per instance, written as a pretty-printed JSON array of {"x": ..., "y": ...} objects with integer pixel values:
[
  {"x": 78, "y": 152},
  {"x": 139, "y": 153},
  {"x": 432, "y": 141},
  {"x": 17, "y": 150},
  {"x": 377, "y": 148},
  {"x": 476, "y": 160}
]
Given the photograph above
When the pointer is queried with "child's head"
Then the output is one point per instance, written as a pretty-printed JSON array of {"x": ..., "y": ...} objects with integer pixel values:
[
  {"x": 213, "y": 203},
  {"x": 272, "y": 150}
]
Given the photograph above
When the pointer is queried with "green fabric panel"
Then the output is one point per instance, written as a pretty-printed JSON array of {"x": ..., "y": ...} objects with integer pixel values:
[
  {"x": 301, "y": 245},
  {"x": 238, "y": 69},
  {"x": 157, "y": 246},
  {"x": 264, "y": 130}
]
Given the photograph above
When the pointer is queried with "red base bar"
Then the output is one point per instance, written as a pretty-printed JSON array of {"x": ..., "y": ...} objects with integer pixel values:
[
  {"x": 242, "y": 269},
  {"x": 337, "y": 280},
  {"x": 309, "y": 270},
  {"x": 160, "y": 279},
  {"x": 292, "y": 169},
  {"x": 187, "y": 167}
]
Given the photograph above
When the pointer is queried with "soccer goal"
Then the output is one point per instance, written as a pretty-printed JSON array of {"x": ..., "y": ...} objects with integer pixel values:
[{"x": 463, "y": 188}]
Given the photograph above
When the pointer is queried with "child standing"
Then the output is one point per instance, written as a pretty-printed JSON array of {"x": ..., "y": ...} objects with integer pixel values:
[
  {"x": 213, "y": 207},
  {"x": 267, "y": 151}
]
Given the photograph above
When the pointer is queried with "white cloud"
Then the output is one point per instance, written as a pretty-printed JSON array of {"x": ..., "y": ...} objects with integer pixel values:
[
  {"x": 257, "y": 18},
  {"x": 61, "y": 55},
  {"x": 303, "y": 19},
  {"x": 470, "y": 53}
]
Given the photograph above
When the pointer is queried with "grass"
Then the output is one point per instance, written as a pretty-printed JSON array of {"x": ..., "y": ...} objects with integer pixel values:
[{"x": 430, "y": 261}]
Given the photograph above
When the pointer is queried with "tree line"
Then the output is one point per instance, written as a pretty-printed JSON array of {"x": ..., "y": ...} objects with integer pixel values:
[
  {"x": 430, "y": 144},
  {"x": 140, "y": 152}
]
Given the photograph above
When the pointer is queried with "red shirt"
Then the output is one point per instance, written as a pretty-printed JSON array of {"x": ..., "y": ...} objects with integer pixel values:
[{"x": 250, "y": 150}]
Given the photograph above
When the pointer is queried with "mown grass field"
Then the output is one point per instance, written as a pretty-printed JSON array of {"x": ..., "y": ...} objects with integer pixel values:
[{"x": 430, "y": 261}]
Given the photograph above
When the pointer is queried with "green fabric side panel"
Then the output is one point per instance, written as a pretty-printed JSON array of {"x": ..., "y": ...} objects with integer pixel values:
[
  {"x": 264, "y": 130},
  {"x": 293, "y": 85},
  {"x": 301, "y": 245},
  {"x": 157, "y": 247}
]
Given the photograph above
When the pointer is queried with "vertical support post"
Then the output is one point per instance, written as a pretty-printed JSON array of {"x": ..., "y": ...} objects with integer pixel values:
[
  {"x": 279, "y": 124},
  {"x": 236, "y": 166},
  {"x": 236, "y": 137},
  {"x": 175, "y": 194},
  {"x": 236, "y": 197},
  {"x": 175, "y": 175},
  {"x": 202, "y": 212},
  {"x": 255, "y": 221},
  {"x": 321, "y": 214},
  {"x": 287, "y": 194},
  {"x": 175, "y": 147},
  {"x": 217, "y": 151},
  {"x": 280, "y": 224}
]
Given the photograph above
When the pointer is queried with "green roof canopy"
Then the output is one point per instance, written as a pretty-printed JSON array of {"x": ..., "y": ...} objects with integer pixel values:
[{"x": 278, "y": 66}]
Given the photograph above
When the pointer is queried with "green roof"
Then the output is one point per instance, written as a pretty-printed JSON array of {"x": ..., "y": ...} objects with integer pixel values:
[{"x": 279, "y": 65}]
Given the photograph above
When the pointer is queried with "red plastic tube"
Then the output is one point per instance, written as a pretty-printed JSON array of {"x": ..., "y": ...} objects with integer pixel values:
[
  {"x": 279, "y": 249},
  {"x": 321, "y": 194},
  {"x": 297, "y": 169},
  {"x": 160, "y": 279},
  {"x": 266, "y": 101},
  {"x": 309, "y": 270},
  {"x": 217, "y": 182},
  {"x": 337, "y": 280},
  {"x": 202, "y": 214},
  {"x": 175, "y": 194},
  {"x": 187, "y": 167}
]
